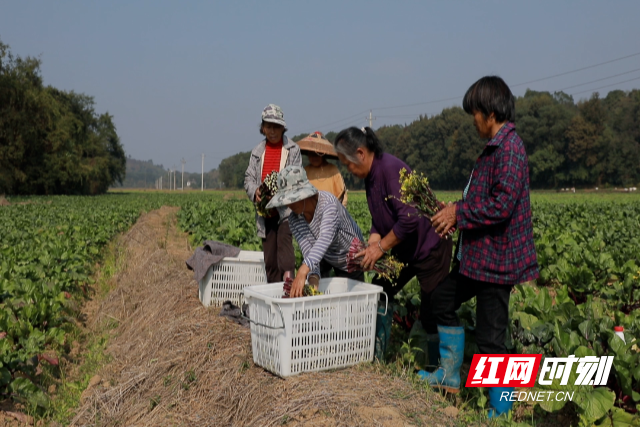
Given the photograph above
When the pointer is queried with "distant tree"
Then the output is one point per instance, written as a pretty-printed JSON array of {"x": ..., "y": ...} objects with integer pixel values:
[
  {"x": 52, "y": 141},
  {"x": 232, "y": 169},
  {"x": 298, "y": 137},
  {"x": 143, "y": 174}
]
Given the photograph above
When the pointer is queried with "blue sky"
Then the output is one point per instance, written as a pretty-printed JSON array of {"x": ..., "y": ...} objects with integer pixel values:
[{"x": 185, "y": 78}]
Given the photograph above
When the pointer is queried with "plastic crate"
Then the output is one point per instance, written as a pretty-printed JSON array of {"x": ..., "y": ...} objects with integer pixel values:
[
  {"x": 294, "y": 335},
  {"x": 227, "y": 279}
]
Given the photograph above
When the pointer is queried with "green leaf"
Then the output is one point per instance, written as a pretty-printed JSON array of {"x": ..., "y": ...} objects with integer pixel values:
[
  {"x": 543, "y": 301},
  {"x": 621, "y": 418},
  {"x": 587, "y": 329},
  {"x": 595, "y": 403},
  {"x": 552, "y": 405},
  {"x": 5, "y": 376},
  {"x": 583, "y": 351},
  {"x": 562, "y": 295},
  {"x": 526, "y": 320}
]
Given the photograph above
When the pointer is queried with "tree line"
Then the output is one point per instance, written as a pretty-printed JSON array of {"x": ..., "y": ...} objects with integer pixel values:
[
  {"x": 52, "y": 141},
  {"x": 591, "y": 143}
]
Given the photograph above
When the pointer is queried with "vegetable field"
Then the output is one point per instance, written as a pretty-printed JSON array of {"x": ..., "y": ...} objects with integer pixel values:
[
  {"x": 588, "y": 248},
  {"x": 48, "y": 247}
]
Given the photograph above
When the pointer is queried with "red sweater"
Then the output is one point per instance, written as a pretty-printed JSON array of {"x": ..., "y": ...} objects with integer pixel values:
[{"x": 271, "y": 158}]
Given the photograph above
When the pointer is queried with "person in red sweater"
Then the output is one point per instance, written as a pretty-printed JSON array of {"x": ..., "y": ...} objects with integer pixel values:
[{"x": 273, "y": 153}]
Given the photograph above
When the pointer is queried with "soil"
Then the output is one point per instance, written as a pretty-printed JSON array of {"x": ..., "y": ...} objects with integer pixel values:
[{"x": 175, "y": 362}]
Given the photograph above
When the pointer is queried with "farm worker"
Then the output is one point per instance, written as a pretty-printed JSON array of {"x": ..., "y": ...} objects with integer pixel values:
[
  {"x": 322, "y": 174},
  {"x": 395, "y": 228},
  {"x": 272, "y": 154},
  {"x": 321, "y": 225},
  {"x": 495, "y": 248}
]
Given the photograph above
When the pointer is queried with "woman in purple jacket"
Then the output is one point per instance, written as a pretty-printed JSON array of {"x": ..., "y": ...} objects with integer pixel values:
[
  {"x": 495, "y": 248},
  {"x": 395, "y": 228}
]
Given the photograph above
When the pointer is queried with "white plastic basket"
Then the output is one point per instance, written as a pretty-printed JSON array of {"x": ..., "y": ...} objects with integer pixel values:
[
  {"x": 308, "y": 334},
  {"x": 227, "y": 279}
]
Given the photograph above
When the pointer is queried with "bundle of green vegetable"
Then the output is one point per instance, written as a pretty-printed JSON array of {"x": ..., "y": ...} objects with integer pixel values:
[
  {"x": 307, "y": 291},
  {"x": 387, "y": 267},
  {"x": 267, "y": 190},
  {"x": 415, "y": 191}
]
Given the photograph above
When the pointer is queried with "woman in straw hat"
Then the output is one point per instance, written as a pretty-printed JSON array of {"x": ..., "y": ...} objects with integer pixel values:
[
  {"x": 322, "y": 174},
  {"x": 274, "y": 153},
  {"x": 321, "y": 225}
]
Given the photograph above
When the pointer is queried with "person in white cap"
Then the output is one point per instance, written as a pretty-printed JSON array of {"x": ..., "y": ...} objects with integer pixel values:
[{"x": 273, "y": 153}]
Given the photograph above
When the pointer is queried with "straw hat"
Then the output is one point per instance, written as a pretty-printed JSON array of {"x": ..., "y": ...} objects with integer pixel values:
[{"x": 317, "y": 143}]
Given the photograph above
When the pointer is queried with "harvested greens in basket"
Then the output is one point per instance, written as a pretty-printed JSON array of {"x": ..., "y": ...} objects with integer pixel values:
[
  {"x": 415, "y": 192},
  {"x": 307, "y": 291},
  {"x": 387, "y": 267},
  {"x": 267, "y": 190}
]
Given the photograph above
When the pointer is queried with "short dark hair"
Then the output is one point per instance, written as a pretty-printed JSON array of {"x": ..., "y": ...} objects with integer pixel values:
[
  {"x": 349, "y": 140},
  {"x": 489, "y": 95},
  {"x": 262, "y": 124}
]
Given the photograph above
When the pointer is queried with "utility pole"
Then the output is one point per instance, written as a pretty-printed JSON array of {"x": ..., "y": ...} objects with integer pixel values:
[
  {"x": 160, "y": 182},
  {"x": 174, "y": 177},
  {"x": 371, "y": 119},
  {"x": 183, "y": 161},
  {"x": 202, "y": 185}
]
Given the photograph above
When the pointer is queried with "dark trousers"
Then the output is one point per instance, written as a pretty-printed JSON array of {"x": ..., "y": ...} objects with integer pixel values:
[
  {"x": 427, "y": 318},
  {"x": 492, "y": 309},
  {"x": 418, "y": 270},
  {"x": 279, "y": 255},
  {"x": 430, "y": 272},
  {"x": 355, "y": 275},
  {"x": 325, "y": 272}
]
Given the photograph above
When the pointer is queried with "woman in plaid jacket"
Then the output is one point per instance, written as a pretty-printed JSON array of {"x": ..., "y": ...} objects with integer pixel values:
[{"x": 495, "y": 249}]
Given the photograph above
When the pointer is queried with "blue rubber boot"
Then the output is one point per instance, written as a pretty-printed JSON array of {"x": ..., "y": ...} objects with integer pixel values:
[
  {"x": 447, "y": 376},
  {"x": 433, "y": 350},
  {"x": 383, "y": 332},
  {"x": 499, "y": 406}
]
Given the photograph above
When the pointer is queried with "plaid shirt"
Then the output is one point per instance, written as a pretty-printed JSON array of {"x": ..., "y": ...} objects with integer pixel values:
[{"x": 495, "y": 216}]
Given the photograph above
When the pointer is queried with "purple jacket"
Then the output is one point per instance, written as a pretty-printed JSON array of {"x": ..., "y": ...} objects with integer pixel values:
[
  {"x": 388, "y": 213},
  {"x": 495, "y": 217}
]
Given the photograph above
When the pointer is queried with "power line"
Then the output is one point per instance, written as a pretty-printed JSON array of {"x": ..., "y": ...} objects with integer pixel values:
[
  {"x": 419, "y": 103},
  {"x": 408, "y": 115},
  {"x": 602, "y": 87},
  {"x": 339, "y": 121},
  {"x": 575, "y": 71},
  {"x": 604, "y": 78},
  {"x": 516, "y": 85}
]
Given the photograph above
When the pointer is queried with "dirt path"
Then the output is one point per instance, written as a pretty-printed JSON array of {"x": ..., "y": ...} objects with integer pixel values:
[{"x": 178, "y": 363}]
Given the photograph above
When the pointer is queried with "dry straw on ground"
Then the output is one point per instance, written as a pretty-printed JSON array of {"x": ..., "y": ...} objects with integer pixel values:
[{"x": 178, "y": 363}]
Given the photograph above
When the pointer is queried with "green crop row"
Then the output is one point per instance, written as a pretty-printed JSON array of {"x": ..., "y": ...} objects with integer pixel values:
[{"x": 48, "y": 246}]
